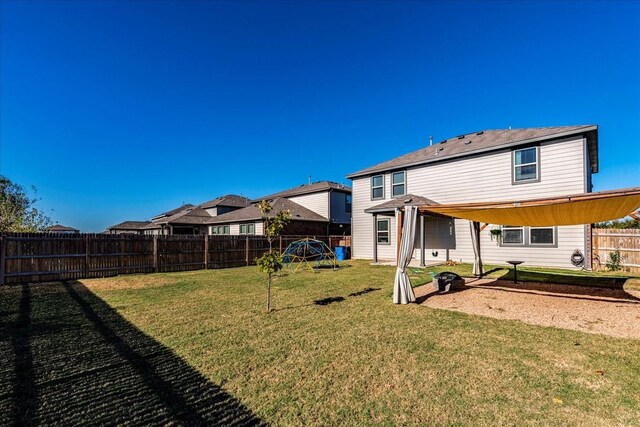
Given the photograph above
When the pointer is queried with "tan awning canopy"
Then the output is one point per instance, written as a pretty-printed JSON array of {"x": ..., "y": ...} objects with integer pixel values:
[{"x": 587, "y": 208}]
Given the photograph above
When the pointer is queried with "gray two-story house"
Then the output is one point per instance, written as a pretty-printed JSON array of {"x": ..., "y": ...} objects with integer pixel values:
[{"x": 490, "y": 165}]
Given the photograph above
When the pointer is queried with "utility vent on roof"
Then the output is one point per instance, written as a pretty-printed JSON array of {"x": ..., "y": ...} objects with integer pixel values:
[
  {"x": 467, "y": 142},
  {"x": 442, "y": 142},
  {"x": 480, "y": 133},
  {"x": 461, "y": 137}
]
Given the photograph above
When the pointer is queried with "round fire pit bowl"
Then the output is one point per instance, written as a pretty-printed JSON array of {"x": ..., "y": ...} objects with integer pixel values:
[{"x": 447, "y": 281}]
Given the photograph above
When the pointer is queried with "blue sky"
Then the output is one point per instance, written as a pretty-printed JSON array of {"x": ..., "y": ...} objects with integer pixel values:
[{"x": 121, "y": 110}]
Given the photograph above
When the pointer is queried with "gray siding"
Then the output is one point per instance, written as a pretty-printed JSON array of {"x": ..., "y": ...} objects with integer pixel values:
[{"x": 481, "y": 178}]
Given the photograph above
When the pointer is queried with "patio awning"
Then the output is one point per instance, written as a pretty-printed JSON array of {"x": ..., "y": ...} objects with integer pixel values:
[{"x": 586, "y": 208}]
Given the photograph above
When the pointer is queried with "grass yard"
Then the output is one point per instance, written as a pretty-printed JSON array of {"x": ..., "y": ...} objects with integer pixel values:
[{"x": 188, "y": 348}]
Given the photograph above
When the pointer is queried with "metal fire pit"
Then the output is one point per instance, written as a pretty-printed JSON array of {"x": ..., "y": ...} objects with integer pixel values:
[{"x": 447, "y": 281}]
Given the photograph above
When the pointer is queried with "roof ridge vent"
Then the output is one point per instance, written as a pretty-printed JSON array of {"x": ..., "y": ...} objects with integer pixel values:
[
  {"x": 480, "y": 133},
  {"x": 461, "y": 136}
]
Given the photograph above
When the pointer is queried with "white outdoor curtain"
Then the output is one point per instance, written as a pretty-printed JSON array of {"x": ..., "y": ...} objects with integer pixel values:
[
  {"x": 475, "y": 241},
  {"x": 402, "y": 291}
]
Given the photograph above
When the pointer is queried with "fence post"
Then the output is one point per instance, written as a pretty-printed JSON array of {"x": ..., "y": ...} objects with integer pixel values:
[
  {"x": 206, "y": 251},
  {"x": 155, "y": 253},
  {"x": 280, "y": 244},
  {"x": 246, "y": 255},
  {"x": 86, "y": 256},
  {"x": 3, "y": 256}
]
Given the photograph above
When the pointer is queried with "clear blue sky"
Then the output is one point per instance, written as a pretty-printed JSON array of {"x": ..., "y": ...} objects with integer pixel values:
[{"x": 121, "y": 110}]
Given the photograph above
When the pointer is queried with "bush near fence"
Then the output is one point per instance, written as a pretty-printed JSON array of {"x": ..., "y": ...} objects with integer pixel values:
[
  {"x": 45, "y": 257},
  {"x": 608, "y": 240}
]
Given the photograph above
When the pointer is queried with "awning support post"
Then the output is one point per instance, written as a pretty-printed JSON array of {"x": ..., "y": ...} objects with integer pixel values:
[
  {"x": 375, "y": 238},
  {"x": 422, "y": 263}
]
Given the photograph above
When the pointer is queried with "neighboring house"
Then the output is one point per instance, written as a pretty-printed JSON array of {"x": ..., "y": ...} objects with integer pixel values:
[
  {"x": 128, "y": 227},
  {"x": 492, "y": 165},
  {"x": 224, "y": 204},
  {"x": 249, "y": 221},
  {"x": 190, "y": 219},
  {"x": 329, "y": 199},
  {"x": 58, "y": 228}
]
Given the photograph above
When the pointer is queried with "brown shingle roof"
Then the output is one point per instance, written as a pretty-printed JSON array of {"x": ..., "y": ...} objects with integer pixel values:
[
  {"x": 251, "y": 213},
  {"x": 314, "y": 187},
  {"x": 487, "y": 140},
  {"x": 406, "y": 200},
  {"x": 231, "y": 200},
  {"x": 58, "y": 228},
  {"x": 129, "y": 225},
  {"x": 173, "y": 211}
]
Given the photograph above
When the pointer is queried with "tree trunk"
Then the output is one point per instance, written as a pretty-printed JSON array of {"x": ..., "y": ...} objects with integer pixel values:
[{"x": 269, "y": 294}]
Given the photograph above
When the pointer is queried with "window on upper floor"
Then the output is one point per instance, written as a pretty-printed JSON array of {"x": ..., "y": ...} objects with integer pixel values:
[
  {"x": 526, "y": 165},
  {"x": 398, "y": 184},
  {"x": 377, "y": 187},
  {"x": 347, "y": 202},
  {"x": 382, "y": 231}
]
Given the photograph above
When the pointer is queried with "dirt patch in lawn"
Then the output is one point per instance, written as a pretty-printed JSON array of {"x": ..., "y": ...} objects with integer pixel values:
[{"x": 613, "y": 312}]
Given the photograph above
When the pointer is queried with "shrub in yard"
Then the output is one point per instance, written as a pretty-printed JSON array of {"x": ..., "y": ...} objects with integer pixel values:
[
  {"x": 271, "y": 262},
  {"x": 615, "y": 261}
]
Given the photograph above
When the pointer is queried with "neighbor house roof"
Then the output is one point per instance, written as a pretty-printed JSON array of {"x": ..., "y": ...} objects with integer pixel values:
[
  {"x": 129, "y": 225},
  {"x": 191, "y": 215},
  {"x": 251, "y": 213},
  {"x": 487, "y": 140},
  {"x": 314, "y": 187},
  {"x": 399, "y": 202},
  {"x": 59, "y": 228},
  {"x": 231, "y": 200},
  {"x": 173, "y": 211}
]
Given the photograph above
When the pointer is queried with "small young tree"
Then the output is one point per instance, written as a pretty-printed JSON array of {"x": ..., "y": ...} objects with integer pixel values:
[
  {"x": 17, "y": 210},
  {"x": 271, "y": 262}
]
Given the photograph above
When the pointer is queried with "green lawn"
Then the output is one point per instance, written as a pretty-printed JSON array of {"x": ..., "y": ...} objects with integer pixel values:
[{"x": 184, "y": 348}]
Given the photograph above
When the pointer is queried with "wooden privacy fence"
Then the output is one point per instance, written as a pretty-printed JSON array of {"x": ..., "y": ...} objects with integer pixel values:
[
  {"x": 608, "y": 240},
  {"x": 44, "y": 257}
]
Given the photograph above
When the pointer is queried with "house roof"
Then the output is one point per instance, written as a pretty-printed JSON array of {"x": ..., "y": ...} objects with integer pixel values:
[
  {"x": 129, "y": 225},
  {"x": 314, "y": 187},
  {"x": 231, "y": 200},
  {"x": 483, "y": 141},
  {"x": 251, "y": 213},
  {"x": 173, "y": 211},
  {"x": 61, "y": 228},
  {"x": 406, "y": 200},
  {"x": 192, "y": 215}
]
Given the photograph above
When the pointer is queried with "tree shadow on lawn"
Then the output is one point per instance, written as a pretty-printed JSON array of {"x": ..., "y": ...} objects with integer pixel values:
[{"x": 78, "y": 362}]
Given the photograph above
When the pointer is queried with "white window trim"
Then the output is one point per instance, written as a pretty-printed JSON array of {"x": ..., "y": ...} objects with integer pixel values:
[
  {"x": 377, "y": 186},
  {"x": 553, "y": 233},
  {"x": 514, "y": 166},
  {"x": 388, "y": 231},
  {"x": 404, "y": 183},
  {"x": 524, "y": 237}
]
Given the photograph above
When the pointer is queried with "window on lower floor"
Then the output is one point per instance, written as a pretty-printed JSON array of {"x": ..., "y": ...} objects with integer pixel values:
[
  {"x": 542, "y": 236},
  {"x": 220, "y": 229},
  {"x": 347, "y": 202},
  {"x": 247, "y": 229},
  {"x": 512, "y": 235},
  {"x": 382, "y": 231}
]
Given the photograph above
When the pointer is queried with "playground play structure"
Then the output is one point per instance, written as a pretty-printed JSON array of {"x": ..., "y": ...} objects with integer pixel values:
[{"x": 310, "y": 253}]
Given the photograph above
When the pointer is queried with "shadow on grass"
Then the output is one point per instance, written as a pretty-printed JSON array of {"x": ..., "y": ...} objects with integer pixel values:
[{"x": 75, "y": 361}]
